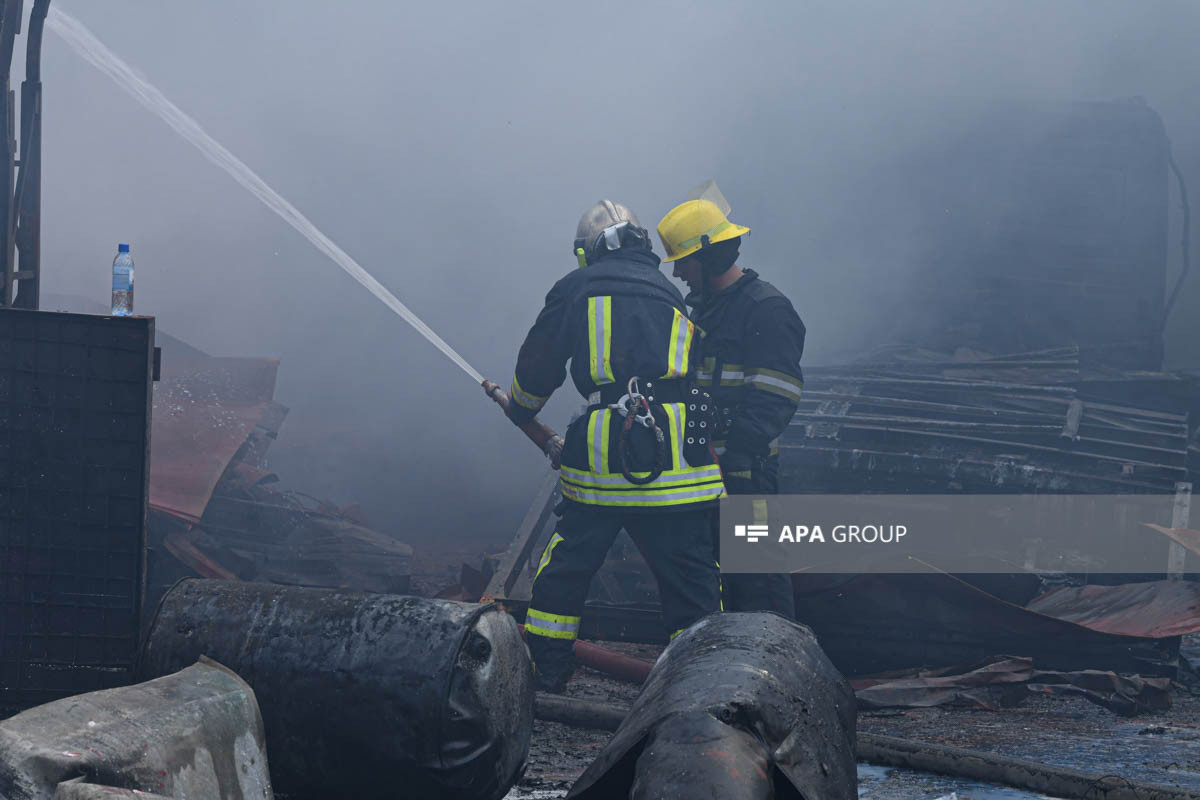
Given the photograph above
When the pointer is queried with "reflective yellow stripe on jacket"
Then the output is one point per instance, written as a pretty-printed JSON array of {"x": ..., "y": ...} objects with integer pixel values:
[
  {"x": 602, "y": 484},
  {"x": 597, "y": 436},
  {"x": 523, "y": 398},
  {"x": 675, "y": 487},
  {"x": 600, "y": 339},
  {"x": 553, "y": 626},
  {"x": 680, "y": 346}
]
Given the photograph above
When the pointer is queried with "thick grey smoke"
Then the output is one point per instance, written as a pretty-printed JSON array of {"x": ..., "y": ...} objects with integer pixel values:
[{"x": 450, "y": 150}]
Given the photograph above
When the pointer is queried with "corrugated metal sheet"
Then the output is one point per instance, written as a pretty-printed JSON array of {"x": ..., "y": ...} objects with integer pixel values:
[
  {"x": 205, "y": 409},
  {"x": 1046, "y": 421},
  {"x": 1157, "y": 609}
]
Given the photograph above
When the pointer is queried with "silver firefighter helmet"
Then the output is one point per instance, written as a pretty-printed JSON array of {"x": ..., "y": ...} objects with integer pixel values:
[{"x": 607, "y": 226}]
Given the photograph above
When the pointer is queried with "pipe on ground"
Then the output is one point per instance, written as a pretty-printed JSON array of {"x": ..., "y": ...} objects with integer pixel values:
[{"x": 610, "y": 662}]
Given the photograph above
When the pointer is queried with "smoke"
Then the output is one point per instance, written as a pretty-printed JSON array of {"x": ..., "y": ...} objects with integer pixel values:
[
  {"x": 451, "y": 153},
  {"x": 95, "y": 53}
]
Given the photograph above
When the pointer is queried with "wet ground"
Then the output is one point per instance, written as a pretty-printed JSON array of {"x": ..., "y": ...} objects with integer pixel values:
[
  {"x": 1066, "y": 731},
  {"x": 559, "y": 754}
]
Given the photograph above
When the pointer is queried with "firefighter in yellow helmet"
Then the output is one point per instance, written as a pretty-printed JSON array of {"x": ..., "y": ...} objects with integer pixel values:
[{"x": 751, "y": 347}]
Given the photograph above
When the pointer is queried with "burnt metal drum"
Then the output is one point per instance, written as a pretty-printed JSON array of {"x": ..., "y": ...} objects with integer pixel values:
[
  {"x": 363, "y": 695},
  {"x": 743, "y": 706}
]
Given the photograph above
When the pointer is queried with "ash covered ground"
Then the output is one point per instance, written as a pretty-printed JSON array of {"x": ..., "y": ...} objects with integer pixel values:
[{"x": 1066, "y": 731}]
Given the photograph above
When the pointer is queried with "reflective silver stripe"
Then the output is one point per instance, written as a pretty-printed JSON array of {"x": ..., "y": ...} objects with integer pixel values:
[
  {"x": 565, "y": 627},
  {"x": 602, "y": 350},
  {"x": 524, "y": 398},
  {"x": 599, "y": 321},
  {"x": 609, "y": 484},
  {"x": 711, "y": 491},
  {"x": 546, "y": 556},
  {"x": 789, "y": 388},
  {"x": 679, "y": 347},
  {"x": 598, "y": 435},
  {"x": 692, "y": 475},
  {"x": 685, "y": 335},
  {"x": 675, "y": 418}
]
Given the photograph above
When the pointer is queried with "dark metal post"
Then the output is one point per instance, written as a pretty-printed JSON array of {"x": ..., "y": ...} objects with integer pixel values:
[
  {"x": 28, "y": 199},
  {"x": 10, "y": 26}
]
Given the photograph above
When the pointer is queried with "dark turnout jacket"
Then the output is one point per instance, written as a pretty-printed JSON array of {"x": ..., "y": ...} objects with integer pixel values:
[
  {"x": 612, "y": 320},
  {"x": 751, "y": 349}
]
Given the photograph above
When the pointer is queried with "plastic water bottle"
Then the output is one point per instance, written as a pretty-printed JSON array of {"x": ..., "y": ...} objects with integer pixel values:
[{"x": 122, "y": 293}]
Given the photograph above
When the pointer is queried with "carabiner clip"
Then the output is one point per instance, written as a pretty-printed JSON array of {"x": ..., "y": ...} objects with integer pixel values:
[{"x": 641, "y": 406}]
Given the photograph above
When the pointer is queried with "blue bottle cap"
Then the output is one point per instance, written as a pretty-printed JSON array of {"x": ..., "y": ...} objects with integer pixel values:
[{"x": 122, "y": 248}]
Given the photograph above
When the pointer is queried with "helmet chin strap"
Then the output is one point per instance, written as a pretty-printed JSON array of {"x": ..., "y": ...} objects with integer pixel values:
[{"x": 706, "y": 274}]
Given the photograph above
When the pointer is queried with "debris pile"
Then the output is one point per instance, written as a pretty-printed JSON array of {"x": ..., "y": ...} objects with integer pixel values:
[
  {"x": 214, "y": 508},
  {"x": 1054, "y": 421}
]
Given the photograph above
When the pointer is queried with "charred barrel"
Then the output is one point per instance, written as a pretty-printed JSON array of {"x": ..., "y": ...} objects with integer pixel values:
[
  {"x": 363, "y": 695},
  {"x": 739, "y": 706}
]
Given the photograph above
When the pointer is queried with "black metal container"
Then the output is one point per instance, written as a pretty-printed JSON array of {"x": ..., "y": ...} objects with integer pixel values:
[
  {"x": 74, "y": 469},
  {"x": 363, "y": 695}
]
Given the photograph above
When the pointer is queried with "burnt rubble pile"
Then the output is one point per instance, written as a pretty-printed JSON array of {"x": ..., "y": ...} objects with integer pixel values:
[{"x": 215, "y": 509}]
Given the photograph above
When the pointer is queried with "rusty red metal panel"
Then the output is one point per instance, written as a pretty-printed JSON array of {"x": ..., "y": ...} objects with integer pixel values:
[
  {"x": 1156, "y": 610},
  {"x": 204, "y": 410}
]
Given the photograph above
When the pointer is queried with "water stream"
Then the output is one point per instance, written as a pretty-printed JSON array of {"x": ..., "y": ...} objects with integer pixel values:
[{"x": 92, "y": 50}]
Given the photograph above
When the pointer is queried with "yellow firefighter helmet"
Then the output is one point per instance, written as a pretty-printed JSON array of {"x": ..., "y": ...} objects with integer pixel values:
[{"x": 701, "y": 221}]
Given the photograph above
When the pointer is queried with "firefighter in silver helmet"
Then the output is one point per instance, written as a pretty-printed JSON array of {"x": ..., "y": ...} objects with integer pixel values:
[{"x": 627, "y": 462}]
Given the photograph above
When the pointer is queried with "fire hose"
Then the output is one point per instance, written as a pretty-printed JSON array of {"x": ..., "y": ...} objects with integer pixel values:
[{"x": 540, "y": 434}]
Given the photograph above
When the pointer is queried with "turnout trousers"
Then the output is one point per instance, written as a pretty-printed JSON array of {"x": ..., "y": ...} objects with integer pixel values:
[
  {"x": 676, "y": 545},
  {"x": 748, "y": 591}
]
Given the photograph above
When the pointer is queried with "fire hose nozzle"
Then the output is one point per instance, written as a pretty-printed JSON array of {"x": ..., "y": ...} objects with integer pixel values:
[
  {"x": 493, "y": 390},
  {"x": 542, "y": 435}
]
